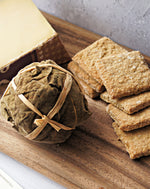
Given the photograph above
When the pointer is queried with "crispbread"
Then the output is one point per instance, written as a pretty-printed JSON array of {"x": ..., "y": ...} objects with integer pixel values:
[
  {"x": 85, "y": 77},
  {"x": 137, "y": 142},
  {"x": 129, "y": 122},
  {"x": 129, "y": 104},
  {"x": 124, "y": 74},
  {"x": 87, "y": 89},
  {"x": 96, "y": 51}
]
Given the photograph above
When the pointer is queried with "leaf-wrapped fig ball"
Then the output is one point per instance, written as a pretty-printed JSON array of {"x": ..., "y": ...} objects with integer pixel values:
[{"x": 44, "y": 102}]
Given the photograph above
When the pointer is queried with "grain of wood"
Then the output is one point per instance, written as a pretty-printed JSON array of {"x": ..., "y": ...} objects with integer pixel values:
[{"x": 92, "y": 157}]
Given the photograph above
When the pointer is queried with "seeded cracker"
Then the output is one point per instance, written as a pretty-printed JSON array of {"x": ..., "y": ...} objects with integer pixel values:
[
  {"x": 87, "y": 89},
  {"x": 137, "y": 142},
  {"x": 124, "y": 74},
  {"x": 129, "y": 122},
  {"x": 98, "y": 50},
  {"x": 129, "y": 104},
  {"x": 85, "y": 77}
]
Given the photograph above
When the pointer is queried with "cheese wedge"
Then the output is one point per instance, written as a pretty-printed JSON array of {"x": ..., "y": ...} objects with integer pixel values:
[{"x": 25, "y": 37}]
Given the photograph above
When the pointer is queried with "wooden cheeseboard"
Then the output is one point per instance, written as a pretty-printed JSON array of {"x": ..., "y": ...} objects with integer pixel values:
[{"x": 93, "y": 157}]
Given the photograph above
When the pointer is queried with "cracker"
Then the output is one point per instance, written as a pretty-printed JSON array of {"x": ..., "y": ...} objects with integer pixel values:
[
  {"x": 124, "y": 74},
  {"x": 85, "y": 77},
  {"x": 129, "y": 104},
  {"x": 96, "y": 51},
  {"x": 137, "y": 142},
  {"x": 129, "y": 122},
  {"x": 87, "y": 89}
]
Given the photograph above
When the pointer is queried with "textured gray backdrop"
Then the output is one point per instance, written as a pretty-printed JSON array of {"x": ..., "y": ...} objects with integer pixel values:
[{"x": 125, "y": 21}]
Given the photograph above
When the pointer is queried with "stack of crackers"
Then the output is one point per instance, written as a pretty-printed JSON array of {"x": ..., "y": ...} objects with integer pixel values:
[
  {"x": 84, "y": 68},
  {"x": 126, "y": 78}
]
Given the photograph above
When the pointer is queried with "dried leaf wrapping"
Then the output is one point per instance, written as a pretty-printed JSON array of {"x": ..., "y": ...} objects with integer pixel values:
[{"x": 42, "y": 87}]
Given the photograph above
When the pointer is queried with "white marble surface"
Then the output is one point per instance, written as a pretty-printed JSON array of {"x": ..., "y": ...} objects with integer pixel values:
[
  {"x": 25, "y": 176},
  {"x": 125, "y": 21}
]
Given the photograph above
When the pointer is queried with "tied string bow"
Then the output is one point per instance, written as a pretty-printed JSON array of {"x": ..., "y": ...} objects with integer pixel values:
[{"x": 41, "y": 123}]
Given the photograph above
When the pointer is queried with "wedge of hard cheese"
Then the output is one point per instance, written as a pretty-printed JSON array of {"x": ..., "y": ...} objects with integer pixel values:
[{"x": 25, "y": 37}]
